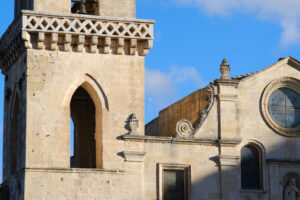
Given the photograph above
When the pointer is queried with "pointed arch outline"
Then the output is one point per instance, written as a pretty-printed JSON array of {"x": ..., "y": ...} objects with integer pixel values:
[
  {"x": 94, "y": 89},
  {"x": 99, "y": 98}
]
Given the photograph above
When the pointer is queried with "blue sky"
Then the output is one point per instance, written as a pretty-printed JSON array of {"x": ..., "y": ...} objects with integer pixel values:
[{"x": 193, "y": 36}]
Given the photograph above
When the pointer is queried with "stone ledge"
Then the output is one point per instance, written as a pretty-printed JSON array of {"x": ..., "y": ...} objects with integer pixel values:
[
  {"x": 180, "y": 141},
  {"x": 228, "y": 160},
  {"x": 75, "y": 170},
  {"x": 134, "y": 156},
  {"x": 283, "y": 162}
]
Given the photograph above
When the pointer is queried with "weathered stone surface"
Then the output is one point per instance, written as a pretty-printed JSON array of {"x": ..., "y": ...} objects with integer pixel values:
[{"x": 43, "y": 68}]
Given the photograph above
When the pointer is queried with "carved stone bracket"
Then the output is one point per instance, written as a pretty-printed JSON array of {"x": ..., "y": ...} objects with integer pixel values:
[
  {"x": 133, "y": 156},
  {"x": 228, "y": 160}
]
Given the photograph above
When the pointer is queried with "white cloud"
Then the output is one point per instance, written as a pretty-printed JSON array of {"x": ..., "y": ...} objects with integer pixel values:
[
  {"x": 159, "y": 83},
  {"x": 164, "y": 88},
  {"x": 283, "y": 12}
]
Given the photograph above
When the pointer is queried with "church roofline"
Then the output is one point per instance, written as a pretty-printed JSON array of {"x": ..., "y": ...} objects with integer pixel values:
[{"x": 289, "y": 60}]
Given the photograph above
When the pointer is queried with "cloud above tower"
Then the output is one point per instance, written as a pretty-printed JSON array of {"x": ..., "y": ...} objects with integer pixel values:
[{"x": 285, "y": 13}]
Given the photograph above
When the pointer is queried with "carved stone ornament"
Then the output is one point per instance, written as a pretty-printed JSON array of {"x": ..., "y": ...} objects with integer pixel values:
[
  {"x": 205, "y": 111},
  {"x": 225, "y": 69},
  {"x": 291, "y": 191},
  {"x": 285, "y": 82},
  {"x": 133, "y": 124},
  {"x": 184, "y": 129}
]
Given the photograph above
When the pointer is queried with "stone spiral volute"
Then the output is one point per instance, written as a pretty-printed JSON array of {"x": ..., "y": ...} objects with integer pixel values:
[{"x": 184, "y": 128}]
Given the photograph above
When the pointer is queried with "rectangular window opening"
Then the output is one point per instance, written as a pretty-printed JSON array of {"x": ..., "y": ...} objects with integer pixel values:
[{"x": 174, "y": 181}]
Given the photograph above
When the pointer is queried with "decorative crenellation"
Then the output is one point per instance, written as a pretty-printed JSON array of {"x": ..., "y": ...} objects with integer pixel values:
[{"x": 77, "y": 33}]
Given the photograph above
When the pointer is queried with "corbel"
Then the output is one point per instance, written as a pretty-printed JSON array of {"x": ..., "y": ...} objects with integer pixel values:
[
  {"x": 148, "y": 44},
  {"x": 80, "y": 45},
  {"x": 94, "y": 44},
  {"x": 26, "y": 38},
  {"x": 120, "y": 46},
  {"x": 41, "y": 39},
  {"x": 133, "y": 44},
  {"x": 67, "y": 42},
  {"x": 54, "y": 40},
  {"x": 107, "y": 44}
]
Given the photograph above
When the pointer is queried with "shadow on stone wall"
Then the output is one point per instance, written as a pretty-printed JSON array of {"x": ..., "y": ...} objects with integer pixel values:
[
  {"x": 279, "y": 166},
  {"x": 4, "y": 193}
]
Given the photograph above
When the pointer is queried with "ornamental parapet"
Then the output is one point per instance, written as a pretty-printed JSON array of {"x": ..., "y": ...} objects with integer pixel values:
[{"x": 76, "y": 33}]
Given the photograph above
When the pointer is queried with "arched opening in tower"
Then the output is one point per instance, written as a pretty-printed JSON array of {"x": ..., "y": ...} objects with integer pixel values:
[
  {"x": 14, "y": 127},
  {"x": 87, "y": 7},
  {"x": 83, "y": 116}
]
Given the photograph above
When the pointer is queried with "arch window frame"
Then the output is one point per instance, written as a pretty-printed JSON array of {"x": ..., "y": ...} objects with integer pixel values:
[
  {"x": 261, "y": 159},
  {"x": 102, "y": 107}
]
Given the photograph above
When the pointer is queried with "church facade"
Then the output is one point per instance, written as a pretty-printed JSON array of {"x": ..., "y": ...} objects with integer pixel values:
[{"x": 83, "y": 63}]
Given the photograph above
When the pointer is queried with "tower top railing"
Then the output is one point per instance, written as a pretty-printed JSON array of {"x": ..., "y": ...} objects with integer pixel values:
[{"x": 37, "y": 29}]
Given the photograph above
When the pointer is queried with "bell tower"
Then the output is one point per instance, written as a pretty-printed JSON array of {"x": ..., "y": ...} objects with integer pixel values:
[{"x": 67, "y": 70}]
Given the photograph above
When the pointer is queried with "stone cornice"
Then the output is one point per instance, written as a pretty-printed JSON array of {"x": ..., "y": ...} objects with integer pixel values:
[
  {"x": 227, "y": 82},
  {"x": 75, "y": 170},
  {"x": 180, "y": 141},
  {"x": 76, "y": 33},
  {"x": 277, "y": 162}
]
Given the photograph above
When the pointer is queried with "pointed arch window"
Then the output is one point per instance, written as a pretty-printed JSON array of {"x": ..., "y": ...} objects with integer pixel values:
[
  {"x": 83, "y": 115},
  {"x": 251, "y": 168}
]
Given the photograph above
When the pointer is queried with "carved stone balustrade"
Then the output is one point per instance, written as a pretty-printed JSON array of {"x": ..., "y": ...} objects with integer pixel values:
[{"x": 72, "y": 32}]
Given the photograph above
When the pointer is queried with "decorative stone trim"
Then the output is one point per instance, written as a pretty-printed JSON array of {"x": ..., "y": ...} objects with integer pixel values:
[
  {"x": 133, "y": 156},
  {"x": 184, "y": 129},
  {"x": 73, "y": 32},
  {"x": 179, "y": 141},
  {"x": 287, "y": 82},
  {"x": 205, "y": 111},
  {"x": 87, "y": 25}
]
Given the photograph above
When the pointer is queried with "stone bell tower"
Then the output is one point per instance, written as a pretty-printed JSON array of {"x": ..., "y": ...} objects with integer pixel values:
[{"x": 65, "y": 68}]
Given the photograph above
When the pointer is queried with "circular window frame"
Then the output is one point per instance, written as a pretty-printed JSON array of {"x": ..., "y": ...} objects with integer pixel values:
[{"x": 285, "y": 82}]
